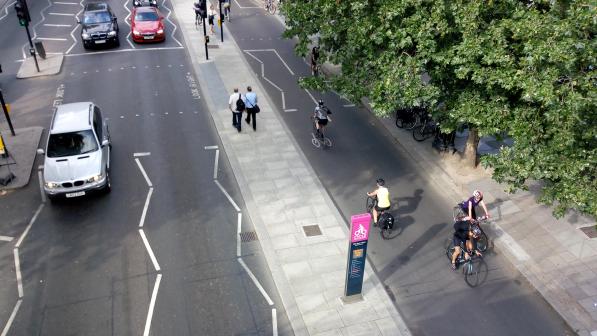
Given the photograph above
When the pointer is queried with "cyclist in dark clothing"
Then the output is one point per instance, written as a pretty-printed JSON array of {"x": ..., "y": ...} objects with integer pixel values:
[{"x": 465, "y": 234}]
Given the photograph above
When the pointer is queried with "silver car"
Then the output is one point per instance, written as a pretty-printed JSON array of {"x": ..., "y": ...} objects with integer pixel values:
[{"x": 77, "y": 155}]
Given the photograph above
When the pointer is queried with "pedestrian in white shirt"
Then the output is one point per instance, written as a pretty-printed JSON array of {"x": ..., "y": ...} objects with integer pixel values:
[{"x": 237, "y": 106}]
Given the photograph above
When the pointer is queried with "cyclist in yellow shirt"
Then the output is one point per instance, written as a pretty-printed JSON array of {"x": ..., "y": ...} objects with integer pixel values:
[{"x": 383, "y": 198}]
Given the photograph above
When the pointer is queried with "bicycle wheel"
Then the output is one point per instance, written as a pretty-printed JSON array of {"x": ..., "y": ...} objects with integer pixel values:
[
  {"x": 423, "y": 133},
  {"x": 475, "y": 272},
  {"x": 369, "y": 204},
  {"x": 412, "y": 122},
  {"x": 482, "y": 242},
  {"x": 386, "y": 233},
  {"x": 315, "y": 143},
  {"x": 327, "y": 142},
  {"x": 272, "y": 8}
]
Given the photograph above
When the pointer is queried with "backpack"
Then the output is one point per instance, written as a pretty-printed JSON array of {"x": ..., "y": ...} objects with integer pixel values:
[
  {"x": 240, "y": 104},
  {"x": 321, "y": 112},
  {"x": 387, "y": 220}
]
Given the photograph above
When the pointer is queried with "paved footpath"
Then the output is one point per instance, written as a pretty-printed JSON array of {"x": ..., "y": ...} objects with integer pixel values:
[{"x": 282, "y": 196}]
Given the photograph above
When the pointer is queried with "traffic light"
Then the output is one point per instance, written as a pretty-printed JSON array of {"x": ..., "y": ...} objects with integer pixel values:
[{"x": 22, "y": 12}]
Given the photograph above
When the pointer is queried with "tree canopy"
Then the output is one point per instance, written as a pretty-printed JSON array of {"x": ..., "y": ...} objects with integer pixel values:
[{"x": 522, "y": 68}]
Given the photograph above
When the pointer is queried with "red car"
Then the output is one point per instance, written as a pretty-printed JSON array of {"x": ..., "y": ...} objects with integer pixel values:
[{"x": 147, "y": 25}]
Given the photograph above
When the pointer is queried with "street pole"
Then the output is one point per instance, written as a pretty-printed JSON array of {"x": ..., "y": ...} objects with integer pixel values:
[
  {"x": 12, "y": 130},
  {"x": 31, "y": 45},
  {"x": 205, "y": 38},
  {"x": 221, "y": 22}
]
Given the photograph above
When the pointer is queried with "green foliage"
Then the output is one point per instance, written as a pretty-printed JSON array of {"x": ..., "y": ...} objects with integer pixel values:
[{"x": 522, "y": 68}]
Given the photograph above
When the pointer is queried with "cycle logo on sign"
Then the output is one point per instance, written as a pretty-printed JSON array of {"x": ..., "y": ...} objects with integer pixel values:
[
  {"x": 360, "y": 234},
  {"x": 360, "y": 228}
]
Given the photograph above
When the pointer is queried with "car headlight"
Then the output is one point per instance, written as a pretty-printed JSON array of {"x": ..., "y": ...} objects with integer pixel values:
[
  {"x": 95, "y": 178},
  {"x": 51, "y": 185},
  {"x": 85, "y": 36},
  {"x": 160, "y": 31},
  {"x": 112, "y": 33},
  {"x": 136, "y": 3},
  {"x": 135, "y": 32}
]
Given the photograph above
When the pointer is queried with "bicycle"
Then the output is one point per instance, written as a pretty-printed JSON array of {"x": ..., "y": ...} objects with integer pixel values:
[
  {"x": 270, "y": 6},
  {"x": 474, "y": 267},
  {"x": 319, "y": 139},
  {"x": 410, "y": 118},
  {"x": 427, "y": 129},
  {"x": 315, "y": 69},
  {"x": 482, "y": 241},
  {"x": 385, "y": 228}
]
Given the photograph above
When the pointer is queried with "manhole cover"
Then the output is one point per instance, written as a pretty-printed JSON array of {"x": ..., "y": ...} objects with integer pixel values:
[
  {"x": 312, "y": 230},
  {"x": 248, "y": 236},
  {"x": 590, "y": 231}
]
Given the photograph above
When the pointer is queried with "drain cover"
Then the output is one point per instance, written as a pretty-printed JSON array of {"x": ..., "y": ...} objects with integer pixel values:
[
  {"x": 590, "y": 231},
  {"x": 248, "y": 236},
  {"x": 312, "y": 230}
]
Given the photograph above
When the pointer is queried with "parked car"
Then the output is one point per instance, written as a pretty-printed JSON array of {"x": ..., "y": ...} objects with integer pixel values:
[
  {"x": 77, "y": 154},
  {"x": 99, "y": 26},
  {"x": 147, "y": 25}
]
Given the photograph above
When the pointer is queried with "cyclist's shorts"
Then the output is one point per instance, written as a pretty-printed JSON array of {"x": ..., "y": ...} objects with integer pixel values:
[
  {"x": 381, "y": 209},
  {"x": 322, "y": 122},
  {"x": 457, "y": 241}
]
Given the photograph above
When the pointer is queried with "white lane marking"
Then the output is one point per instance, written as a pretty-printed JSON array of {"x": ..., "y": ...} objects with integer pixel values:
[
  {"x": 211, "y": 147},
  {"x": 149, "y": 251},
  {"x": 141, "y": 154},
  {"x": 11, "y": 318},
  {"x": 65, "y": 3},
  {"x": 62, "y": 14},
  {"x": 239, "y": 6},
  {"x": 6, "y": 238},
  {"x": 154, "y": 294},
  {"x": 41, "y": 186},
  {"x": 145, "y": 207},
  {"x": 256, "y": 282},
  {"x": 349, "y": 105},
  {"x": 283, "y": 100},
  {"x": 238, "y": 228},
  {"x": 126, "y": 20},
  {"x": 75, "y": 40},
  {"x": 274, "y": 322},
  {"x": 124, "y": 50},
  {"x": 144, "y": 173},
  {"x": 227, "y": 196},
  {"x": 168, "y": 19},
  {"x": 216, "y": 164},
  {"x": 310, "y": 95},
  {"x": 290, "y": 110},
  {"x": 6, "y": 10},
  {"x": 50, "y": 39},
  {"x": 267, "y": 79},
  {"x": 24, "y": 234},
  {"x": 56, "y": 25},
  {"x": 275, "y": 52},
  {"x": 18, "y": 273}
]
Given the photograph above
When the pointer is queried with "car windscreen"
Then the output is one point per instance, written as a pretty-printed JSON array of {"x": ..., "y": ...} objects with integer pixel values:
[
  {"x": 73, "y": 143},
  {"x": 96, "y": 17},
  {"x": 146, "y": 16}
]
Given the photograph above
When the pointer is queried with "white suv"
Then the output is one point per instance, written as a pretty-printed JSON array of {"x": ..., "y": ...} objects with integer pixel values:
[{"x": 77, "y": 155}]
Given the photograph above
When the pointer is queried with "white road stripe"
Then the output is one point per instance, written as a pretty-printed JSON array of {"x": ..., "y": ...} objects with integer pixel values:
[
  {"x": 18, "y": 273},
  {"x": 168, "y": 18},
  {"x": 6, "y": 10},
  {"x": 75, "y": 40},
  {"x": 275, "y": 52},
  {"x": 141, "y": 154},
  {"x": 210, "y": 147},
  {"x": 290, "y": 110},
  {"x": 50, "y": 39},
  {"x": 238, "y": 228},
  {"x": 255, "y": 281},
  {"x": 227, "y": 196},
  {"x": 11, "y": 318},
  {"x": 62, "y": 14},
  {"x": 56, "y": 25},
  {"x": 149, "y": 251},
  {"x": 216, "y": 164},
  {"x": 18, "y": 244},
  {"x": 144, "y": 173},
  {"x": 6, "y": 238},
  {"x": 310, "y": 95},
  {"x": 274, "y": 322},
  {"x": 145, "y": 207},
  {"x": 124, "y": 50},
  {"x": 65, "y": 3},
  {"x": 41, "y": 187},
  {"x": 154, "y": 294},
  {"x": 349, "y": 105}
]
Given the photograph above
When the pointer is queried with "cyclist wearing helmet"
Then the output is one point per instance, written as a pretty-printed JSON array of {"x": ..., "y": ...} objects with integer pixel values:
[
  {"x": 383, "y": 198},
  {"x": 321, "y": 115},
  {"x": 465, "y": 233},
  {"x": 469, "y": 205}
]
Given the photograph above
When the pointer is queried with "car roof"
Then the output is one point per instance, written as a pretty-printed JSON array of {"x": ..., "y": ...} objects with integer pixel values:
[
  {"x": 96, "y": 6},
  {"x": 72, "y": 117}
]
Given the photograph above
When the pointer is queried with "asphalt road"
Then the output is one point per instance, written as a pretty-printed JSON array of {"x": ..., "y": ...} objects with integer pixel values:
[
  {"x": 413, "y": 266},
  {"x": 85, "y": 267}
]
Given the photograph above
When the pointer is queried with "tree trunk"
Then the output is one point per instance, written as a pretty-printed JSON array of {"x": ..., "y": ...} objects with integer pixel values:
[{"x": 470, "y": 150}]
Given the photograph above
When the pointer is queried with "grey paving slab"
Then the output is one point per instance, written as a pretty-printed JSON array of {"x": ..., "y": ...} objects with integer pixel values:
[
  {"x": 47, "y": 67},
  {"x": 22, "y": 149}
]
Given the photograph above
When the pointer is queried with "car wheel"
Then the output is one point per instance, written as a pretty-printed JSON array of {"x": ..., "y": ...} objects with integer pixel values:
[
  {"x": 108, "y": 186},
  {"x": 117, "y": 42},
  {"x": 52, "y": 199}
]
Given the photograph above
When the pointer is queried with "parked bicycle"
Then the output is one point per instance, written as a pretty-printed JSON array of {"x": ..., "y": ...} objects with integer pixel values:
[
  {"x": 385, "y": 220},
  {"x": 409, "y": 118},
  {"x": 474, "y": 267},
  {"x": 483, "y": 241},
  {"x": 427, "y": 129},
  {"x": 270, "y": 6}
]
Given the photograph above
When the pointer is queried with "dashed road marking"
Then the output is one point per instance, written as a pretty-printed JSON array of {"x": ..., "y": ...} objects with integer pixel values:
[
  {"x": 57, "y": 25},
  {"x": 50, "y": 39},
  {"x": 62, "y": 14},
  {"x": 154, "y": 294},
  {"x": 256, "y": 282},
  {"x": 156, "y": 266},
  {"x": 6, "y": 238}
]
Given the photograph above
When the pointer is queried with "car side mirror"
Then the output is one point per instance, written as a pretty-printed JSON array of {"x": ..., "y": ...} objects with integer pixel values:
[
  {"x": 40, "y": 151},
  {"x": 105, "y": 142}
]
